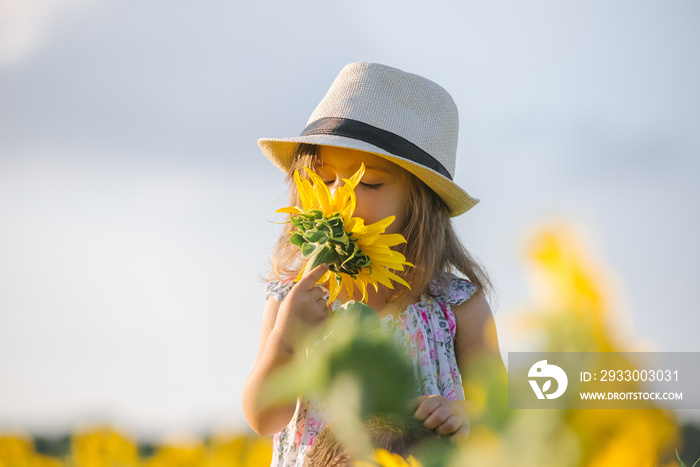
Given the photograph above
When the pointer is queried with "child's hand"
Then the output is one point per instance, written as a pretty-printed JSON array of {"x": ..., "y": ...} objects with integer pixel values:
[
  {"x": 444, "y": 416},
  {"x": 303, "y": 308}
]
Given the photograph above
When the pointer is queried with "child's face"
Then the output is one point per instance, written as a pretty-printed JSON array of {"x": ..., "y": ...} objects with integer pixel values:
[{"x": 383, "y": 190}]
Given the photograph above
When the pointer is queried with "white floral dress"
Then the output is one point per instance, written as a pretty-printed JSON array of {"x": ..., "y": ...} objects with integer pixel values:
[{"x": 425, "y": 331}]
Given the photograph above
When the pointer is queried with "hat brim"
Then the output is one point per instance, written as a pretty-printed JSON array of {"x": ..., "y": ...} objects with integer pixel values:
[{"x": 281, "y": 152}]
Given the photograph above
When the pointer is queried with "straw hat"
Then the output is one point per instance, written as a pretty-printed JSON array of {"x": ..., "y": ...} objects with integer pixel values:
[{"x": 399, "y": 116}]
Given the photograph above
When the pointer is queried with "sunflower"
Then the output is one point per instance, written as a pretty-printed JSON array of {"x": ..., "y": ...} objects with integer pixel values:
[
  {"x": 384, "y": 458},
  {"x": 358, "y": 255}
]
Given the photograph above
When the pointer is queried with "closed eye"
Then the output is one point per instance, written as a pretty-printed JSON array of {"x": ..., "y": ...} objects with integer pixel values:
[{"x": 370, "y": 186}]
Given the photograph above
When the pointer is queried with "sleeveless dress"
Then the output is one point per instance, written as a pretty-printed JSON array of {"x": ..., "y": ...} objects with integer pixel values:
[{"x": 425, "y": 331}]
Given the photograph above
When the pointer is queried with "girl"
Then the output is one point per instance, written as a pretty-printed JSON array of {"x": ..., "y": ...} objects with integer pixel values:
[{"x": 403, "y": 128}]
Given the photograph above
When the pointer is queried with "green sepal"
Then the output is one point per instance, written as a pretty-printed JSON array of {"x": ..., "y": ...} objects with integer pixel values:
[
  {"x": 315, "y": 236},
  {"x": 308, "y": 249},
  {"x": 324, "y": 240},
  {"x": 297, "y": 239},
  {"x": 324, "y": 254}
]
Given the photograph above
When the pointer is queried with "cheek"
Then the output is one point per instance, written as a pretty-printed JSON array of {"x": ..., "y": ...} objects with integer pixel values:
[
  {"x": 370, "y": 206},
  {"x": 398, "y": 222},
  {"x": 365, "y": 209},
  {"x": 373, "y": 208}
]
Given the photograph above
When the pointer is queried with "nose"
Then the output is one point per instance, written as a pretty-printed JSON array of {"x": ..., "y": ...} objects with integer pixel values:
[{"x": 333, "y": 187}]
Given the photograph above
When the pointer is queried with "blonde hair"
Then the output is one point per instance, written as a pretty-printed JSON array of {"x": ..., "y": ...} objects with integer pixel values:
[{"x": 432, "y": 245}]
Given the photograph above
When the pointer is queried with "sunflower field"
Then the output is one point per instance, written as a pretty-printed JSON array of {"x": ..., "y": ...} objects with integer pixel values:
[{"x": 571, "y": 310}]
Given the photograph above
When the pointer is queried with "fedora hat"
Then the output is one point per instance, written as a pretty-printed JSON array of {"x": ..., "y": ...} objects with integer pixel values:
[{"x": 399, "y": 116}]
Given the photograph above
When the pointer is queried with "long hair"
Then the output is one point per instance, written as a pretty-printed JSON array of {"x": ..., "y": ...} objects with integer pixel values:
[{"x": 432, "y": 245}]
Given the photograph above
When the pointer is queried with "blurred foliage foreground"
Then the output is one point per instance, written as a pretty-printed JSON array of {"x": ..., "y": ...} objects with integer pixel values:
[{"x": 353, "y": 369}]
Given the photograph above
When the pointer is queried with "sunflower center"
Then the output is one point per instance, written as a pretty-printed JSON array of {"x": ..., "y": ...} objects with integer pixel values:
[{"x": 324, "y": 240}]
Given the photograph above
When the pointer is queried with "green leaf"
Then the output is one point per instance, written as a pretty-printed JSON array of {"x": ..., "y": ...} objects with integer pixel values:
[
  {"x": 315, "y": 236},
  {"x": 324, "y": 254},
  {"x": 383, "y": 373},
  {"x": 338, "y": 227},
  {"x": 680, "y": 462},
  {"x": 324, "y": 227},
  {"x": 296, "y": 222},
  {"x": 308, "y": 249},
  {"x": 361, "y": 316},
  {"x": 343, "y": 239},
  {"x": 297, "y": 239}
]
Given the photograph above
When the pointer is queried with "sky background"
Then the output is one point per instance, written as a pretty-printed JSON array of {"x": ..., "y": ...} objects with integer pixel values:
[{"x": 136, "y": 210}]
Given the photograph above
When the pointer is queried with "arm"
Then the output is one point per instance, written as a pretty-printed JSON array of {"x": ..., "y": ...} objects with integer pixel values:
[
  {"x": 475, "y": 339},
  {"x": 476, "y": 343},
  {"x": 284, "y": 324}
]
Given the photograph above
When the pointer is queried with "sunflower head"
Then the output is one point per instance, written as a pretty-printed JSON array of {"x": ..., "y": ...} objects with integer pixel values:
[
  {"x": 324, "y": 240},
  {"x": 325, "y": 230}
]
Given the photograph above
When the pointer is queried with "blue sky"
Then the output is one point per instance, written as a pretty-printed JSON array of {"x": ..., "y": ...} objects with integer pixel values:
[{"x": 137, "y": 209}]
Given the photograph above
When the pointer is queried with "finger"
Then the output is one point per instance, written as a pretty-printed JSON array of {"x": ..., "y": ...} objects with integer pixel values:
[
  {"x": 310, "y": 279},
  {"x": 427, "y": 406},
  {"x": 451, "y": 425},
  {"x": 414, "y": 403},
  {"x": 461, "y": 435},
  {"x": 437, "y": 418},
  {"x": 316, "y": 294}
]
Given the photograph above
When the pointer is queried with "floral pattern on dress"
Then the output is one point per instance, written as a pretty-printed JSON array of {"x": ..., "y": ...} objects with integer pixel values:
[{"x": 425, "y": 331}]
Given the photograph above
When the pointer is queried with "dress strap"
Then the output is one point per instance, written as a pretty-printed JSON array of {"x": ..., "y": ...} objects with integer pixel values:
[
  {"x": 451, "y": 289},
  {"x": 278, "y": 289}
]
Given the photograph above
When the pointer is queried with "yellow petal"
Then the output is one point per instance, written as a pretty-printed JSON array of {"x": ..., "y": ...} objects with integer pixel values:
[
  {"x": 377, "y": 249},
  {"x": 301, "y": 273},
  {"x": 363, "y": 288},
  {"x": 388, "y": 459},
  {"x": 323, "y": 194},
  {"x": 290, "y": 210},
  {"x": 325, "y": 278},
  {"x": 347, "y": 205},
  {"x": 378, "y": 274},
  {"x": 357, "y": 176},
  {"x": 348, "y": 283},
  {"x": 369, "y": 280},
  {"x": 373, "y": 231},
  {"x": 355, "y": 225},
  {"x": 392, "y": 260},
  {"x": 306, "y": 191},
  {"x": 380, "y": 226},
  {"x": 391, "y": 239},
  {"x": 345, "y": 199},
  {"x": 333, "y": 287},
  {"x": 384, "y": 276}
]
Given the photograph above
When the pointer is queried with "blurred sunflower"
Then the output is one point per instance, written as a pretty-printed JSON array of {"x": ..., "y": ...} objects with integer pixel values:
[
  {"x": 358, "y": 255},
  {"x": 384, "y": 458}
]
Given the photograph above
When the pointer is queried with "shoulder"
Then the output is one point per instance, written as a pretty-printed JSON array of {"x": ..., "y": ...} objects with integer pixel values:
[
  {"x": 476, "y": 340},
  {"x": 476, "y": 326},
  {"x": 474, "y": 310}
]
